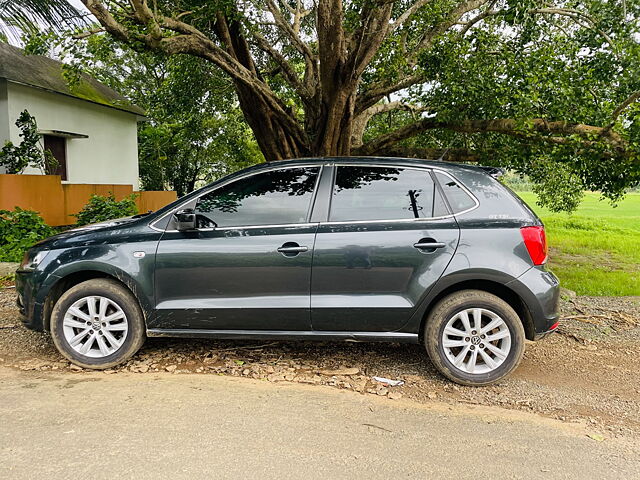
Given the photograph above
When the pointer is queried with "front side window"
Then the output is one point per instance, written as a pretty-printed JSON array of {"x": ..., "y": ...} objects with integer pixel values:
[
  {"x": 382, "y": 193},
  {"x": 271, "y": 198}
]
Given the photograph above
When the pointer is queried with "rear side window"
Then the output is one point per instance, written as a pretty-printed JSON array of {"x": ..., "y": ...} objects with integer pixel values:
[
  {"x": 382, "y": 193},
  {"x": 458, "y": 198},
  {"x": 269, "y": 198}
]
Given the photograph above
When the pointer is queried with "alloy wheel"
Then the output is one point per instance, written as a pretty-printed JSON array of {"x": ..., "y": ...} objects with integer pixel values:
[
  {"x": 476, "y": 340},
  {"x": 95, "y": 326}
]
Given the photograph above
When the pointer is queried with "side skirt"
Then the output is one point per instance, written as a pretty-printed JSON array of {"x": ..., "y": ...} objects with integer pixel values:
[{"x": 286, "y": 335}]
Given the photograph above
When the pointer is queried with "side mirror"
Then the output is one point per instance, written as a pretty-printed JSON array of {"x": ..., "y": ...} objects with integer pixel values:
[{"x": 185, "y": 219}]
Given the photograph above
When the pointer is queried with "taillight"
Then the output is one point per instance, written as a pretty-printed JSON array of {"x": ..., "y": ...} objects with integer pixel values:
[{"x": 536, "y": 242}]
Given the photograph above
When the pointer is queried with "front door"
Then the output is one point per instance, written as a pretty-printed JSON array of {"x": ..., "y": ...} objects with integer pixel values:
[
  {"x": 248, "y": 266},
  {"x": 387, "y": 240}
]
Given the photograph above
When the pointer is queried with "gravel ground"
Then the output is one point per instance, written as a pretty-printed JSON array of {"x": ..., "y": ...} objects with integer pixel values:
[{"x": 587, "y": 373}]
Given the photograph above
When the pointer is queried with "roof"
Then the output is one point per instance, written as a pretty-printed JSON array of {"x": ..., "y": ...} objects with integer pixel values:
[
  {"x": 374, "y": 160},
  {"x": 43, "y": 72}
]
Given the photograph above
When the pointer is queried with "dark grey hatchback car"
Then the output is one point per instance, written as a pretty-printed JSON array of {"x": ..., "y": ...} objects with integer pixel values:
[{"x": 365, "y": 249}]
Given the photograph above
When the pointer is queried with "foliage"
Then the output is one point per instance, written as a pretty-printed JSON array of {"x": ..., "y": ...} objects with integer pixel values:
[
  {"x": 18, "y": 17},
  {"x": 19, "y": 230},
  {"x": 537, "y": 86},
  {"x": 15, "y": 158},
  {"x": 101, "y": 208},
  {"x": 575, "y": 73},
  {"x": 594, "y": 251}
]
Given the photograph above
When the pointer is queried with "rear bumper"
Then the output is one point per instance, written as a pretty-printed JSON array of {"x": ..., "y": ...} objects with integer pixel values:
[
  {"x": 539, "y": 289},
  {"x": 540, "y": 336}
]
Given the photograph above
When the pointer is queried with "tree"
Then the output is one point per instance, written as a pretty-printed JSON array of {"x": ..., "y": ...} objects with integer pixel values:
[{"x": 318, "y": 78}]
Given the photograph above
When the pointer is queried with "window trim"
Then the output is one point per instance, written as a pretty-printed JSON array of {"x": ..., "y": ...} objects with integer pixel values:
[
  {"x": 429, "y": 170},
  {"x": 242, "y": 177}
]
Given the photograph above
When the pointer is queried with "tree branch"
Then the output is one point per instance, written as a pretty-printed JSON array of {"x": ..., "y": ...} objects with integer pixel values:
[
  {"x": 301, "y": 89},
  {"x": 576, "y": 16},
  {"x": 543, "y": 129},
  {"x": 378, "y": 91},
  {"x": 450, "y": 20},
  {"x": 192, "y": 41},
  {"x": 478, "y": 18},
  {"x": 361, "y": 120},
  {"x": 311, "y": 77},
  {"x": 367, "y": 39},
  {"x": 408, "y": 13},
  {"x": 286, "y": 27},
  {"x": 88, "y": 33},
  {"x": 634, "y": 97},
  {"x": 459, "y": 155}
]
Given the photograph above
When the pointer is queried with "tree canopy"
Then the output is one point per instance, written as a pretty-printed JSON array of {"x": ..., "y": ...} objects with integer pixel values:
[{"x": 549, "y": 88}]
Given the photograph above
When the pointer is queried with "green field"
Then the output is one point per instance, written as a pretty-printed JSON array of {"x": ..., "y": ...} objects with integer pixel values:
[{"x": 596, "y": 250}]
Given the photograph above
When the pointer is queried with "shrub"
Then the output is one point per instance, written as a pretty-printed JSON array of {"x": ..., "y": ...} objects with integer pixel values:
[
  {"x": 102, "y": 208},
  {"x": 15, "y": 158},
  {"x": 19, "y": 230}
]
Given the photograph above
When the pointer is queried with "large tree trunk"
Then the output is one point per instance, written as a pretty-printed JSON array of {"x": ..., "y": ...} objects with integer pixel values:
[
  {"x": 328, "y": 128},
  {"x": 335, "y": 123},
  {"x": 274, "y": 139}
]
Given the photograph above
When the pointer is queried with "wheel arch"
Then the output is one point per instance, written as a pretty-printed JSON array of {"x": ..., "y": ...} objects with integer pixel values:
[
  {"x": 496, "y": 288},
  {"x": 72, "y": 278}
]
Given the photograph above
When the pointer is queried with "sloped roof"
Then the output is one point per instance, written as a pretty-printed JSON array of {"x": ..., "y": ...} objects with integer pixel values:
[{"x": 46, "y": 73}]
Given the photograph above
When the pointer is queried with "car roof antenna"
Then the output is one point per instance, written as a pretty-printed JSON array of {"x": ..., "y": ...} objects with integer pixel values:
[{"x": 441, "y": 157}]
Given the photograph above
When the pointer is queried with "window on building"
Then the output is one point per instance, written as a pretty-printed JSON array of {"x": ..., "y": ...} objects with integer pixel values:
[{"x": 58, "y": 148}]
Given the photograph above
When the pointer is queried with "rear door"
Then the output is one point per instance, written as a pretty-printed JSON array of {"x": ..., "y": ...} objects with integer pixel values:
[{"x": 387, "y": 239}]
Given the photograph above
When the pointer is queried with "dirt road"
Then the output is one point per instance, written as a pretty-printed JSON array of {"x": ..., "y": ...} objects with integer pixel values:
[
  {"x": 584, "y": 381},
  {"x": 57, "y": 425}
]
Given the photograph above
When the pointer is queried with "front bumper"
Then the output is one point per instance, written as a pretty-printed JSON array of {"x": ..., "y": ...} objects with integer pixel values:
[{"x": 32, "y": 310}]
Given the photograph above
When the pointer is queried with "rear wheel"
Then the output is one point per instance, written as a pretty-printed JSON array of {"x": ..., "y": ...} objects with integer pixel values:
[
  {"x": 474, "y": 337},
  {"x": 97, "y": 324}
]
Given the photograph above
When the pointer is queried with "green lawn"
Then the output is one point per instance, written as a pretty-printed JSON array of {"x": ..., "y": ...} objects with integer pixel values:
[{"x": 596, "y": 250}]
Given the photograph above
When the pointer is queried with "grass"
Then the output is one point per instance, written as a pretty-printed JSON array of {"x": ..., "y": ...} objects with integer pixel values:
[{"x": 595, "y": 250}]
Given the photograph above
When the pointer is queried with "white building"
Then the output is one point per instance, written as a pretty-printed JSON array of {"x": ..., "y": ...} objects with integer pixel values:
[{"x": 89, "y": 128}]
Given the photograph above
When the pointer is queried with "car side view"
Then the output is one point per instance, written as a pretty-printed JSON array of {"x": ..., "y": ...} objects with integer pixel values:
[{"x": 364, "y": 249}]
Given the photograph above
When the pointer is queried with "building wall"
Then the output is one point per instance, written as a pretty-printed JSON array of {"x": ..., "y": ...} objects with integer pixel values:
[{"x": 109, "y": 155}]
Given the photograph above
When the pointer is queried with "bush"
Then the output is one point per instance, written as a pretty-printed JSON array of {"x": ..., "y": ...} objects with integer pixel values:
[
  {"x": 19, "y": 230},
  {"x": 102, "y": 208}
]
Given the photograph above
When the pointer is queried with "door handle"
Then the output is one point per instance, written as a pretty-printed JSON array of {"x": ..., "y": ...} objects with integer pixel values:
[
  {"x": 429, "y": 245},
  {"x": 291, "y": 249}
]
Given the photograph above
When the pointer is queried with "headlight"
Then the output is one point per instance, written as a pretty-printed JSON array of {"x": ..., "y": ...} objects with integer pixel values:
[{"x": 30, "y": 263}]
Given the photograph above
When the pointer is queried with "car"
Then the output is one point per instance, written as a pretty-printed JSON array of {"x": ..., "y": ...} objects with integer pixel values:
[{"x": 353, "y": 249}]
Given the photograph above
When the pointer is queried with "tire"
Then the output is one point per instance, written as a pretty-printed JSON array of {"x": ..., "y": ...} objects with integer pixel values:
[
  {"x": 73, "y": 327},
  {"x": 445, "y": 347}
]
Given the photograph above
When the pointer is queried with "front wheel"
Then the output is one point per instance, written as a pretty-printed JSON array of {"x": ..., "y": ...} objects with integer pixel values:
[
  {"x": 97, "y": 324},
  {"x": 474, "y": 338}
]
